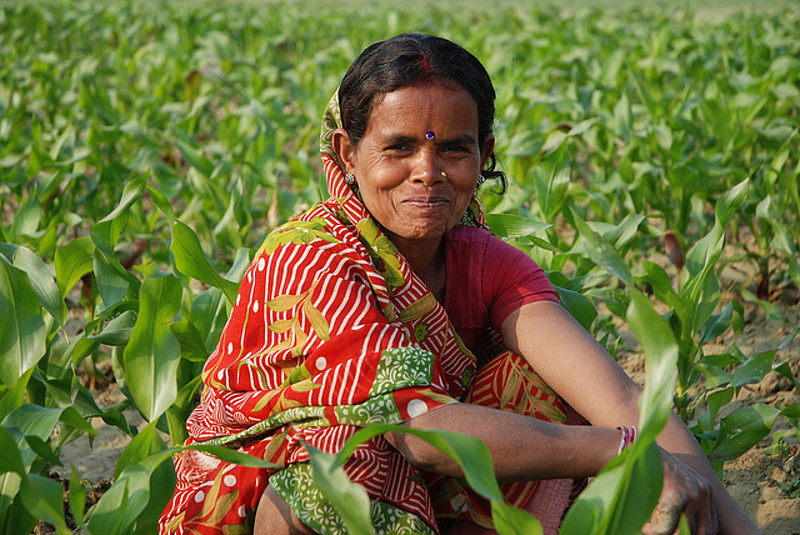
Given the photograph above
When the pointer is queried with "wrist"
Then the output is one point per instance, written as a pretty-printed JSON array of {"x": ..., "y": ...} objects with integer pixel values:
[{"x": 627, "y": 437}]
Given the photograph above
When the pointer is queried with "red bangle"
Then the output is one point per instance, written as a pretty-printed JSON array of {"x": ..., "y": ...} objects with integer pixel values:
[{"x": 629, "y": 434}]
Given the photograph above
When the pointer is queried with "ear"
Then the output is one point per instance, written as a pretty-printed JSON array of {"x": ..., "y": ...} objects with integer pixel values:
[
  {"x": 345, "y": 150},
  {"x": 487, "y": 150}
]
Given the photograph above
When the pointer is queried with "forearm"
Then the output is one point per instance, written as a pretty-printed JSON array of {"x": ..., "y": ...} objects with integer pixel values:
[{"x": 522, "y": 448}]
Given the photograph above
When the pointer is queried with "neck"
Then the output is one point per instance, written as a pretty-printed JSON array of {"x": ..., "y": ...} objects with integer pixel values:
[{"x": 426, "y": 258}]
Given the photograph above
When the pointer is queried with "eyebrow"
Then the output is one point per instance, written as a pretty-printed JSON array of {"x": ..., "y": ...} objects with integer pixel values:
[
  {"x": 464, "y": 139},
  {"x": 461, "y": 139}
]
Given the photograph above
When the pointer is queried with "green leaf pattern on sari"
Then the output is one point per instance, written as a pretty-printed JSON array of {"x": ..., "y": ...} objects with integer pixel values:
[
  {"x": 296, "y": 485},
  {"x": 382, "y": 251},
  {"x": 297, "y": 232},
  {"x": 402, "y": 367}
]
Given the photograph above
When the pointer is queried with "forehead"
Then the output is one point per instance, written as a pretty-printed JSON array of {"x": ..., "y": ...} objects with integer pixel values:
[{"x": 424, "y": 107}]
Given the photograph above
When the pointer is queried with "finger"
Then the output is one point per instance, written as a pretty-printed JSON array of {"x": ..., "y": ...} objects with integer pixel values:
[
  {"x": 663, "y": 521},
  {"x": 702, "y": 513}
]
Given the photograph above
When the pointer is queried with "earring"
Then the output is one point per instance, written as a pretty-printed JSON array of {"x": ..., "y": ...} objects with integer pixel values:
[
  {"x": 349, "y": 179},
  {"x": 481, "y": 179}
]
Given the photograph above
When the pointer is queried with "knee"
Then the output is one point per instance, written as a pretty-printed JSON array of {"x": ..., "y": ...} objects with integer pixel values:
[{"x": 275, "y": 517}]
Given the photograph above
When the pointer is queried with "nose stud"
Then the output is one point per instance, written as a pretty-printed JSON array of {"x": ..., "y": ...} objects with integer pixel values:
[{"x": 444, "y": 174}]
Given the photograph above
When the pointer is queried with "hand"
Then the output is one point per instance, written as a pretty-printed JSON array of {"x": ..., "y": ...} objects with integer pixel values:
[{"x": 684, "y": 492}]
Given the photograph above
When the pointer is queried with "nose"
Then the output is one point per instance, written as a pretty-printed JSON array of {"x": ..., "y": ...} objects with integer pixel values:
[{"x": 427, "y": 170}]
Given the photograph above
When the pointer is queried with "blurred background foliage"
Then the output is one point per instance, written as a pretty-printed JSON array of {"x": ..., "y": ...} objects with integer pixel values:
[{"x": 147, "y": 148}]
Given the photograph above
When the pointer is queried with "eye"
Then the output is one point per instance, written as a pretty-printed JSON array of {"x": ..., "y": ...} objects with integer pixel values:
[
  {"x": 397, "y": 147},
  {"x": 456, "y": 148}
]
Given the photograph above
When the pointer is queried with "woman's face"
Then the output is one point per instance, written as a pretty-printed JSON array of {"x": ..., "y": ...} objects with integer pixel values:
[{"x": 418, "y": 188}]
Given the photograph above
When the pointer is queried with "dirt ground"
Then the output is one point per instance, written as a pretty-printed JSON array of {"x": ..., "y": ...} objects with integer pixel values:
[{"x": 754, "y": 480}]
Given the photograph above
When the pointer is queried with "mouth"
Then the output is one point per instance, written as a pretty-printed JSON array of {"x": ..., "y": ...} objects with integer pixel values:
[{"x": 427, "y": 203}]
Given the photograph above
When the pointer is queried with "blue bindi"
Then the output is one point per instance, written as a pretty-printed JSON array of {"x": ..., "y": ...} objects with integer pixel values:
[{"x": 429, "y": 135}]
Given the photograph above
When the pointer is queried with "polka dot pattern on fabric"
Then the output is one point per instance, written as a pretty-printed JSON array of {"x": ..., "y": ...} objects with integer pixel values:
[
  {"x": 458, "y": 502},
  {"x": 417, "y": 407}
]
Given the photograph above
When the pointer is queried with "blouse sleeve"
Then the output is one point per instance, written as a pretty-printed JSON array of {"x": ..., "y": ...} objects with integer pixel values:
[{"x": 511, "y": 279}]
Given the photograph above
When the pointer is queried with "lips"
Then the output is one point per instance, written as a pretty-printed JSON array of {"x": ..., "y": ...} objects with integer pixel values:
[{"x": 427, "y": 202}]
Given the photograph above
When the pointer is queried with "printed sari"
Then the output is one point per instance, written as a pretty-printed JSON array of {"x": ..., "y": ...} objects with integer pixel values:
[{"x": 331, "y": 331}]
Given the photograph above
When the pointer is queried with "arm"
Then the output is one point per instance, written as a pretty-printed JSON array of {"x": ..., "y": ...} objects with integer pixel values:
[
  {"x": 586, "y": 377},
  {"x": 522, "y": 448}
]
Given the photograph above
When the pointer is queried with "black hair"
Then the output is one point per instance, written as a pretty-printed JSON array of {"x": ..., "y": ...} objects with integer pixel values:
[{"x": 411, "y": 59}]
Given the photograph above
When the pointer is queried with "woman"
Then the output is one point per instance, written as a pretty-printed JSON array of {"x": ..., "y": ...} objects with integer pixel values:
[{"x": 389, "y": 303}]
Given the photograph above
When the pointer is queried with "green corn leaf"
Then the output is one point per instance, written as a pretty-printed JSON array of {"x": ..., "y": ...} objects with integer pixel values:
[
  {"x": 717, "y": 400},
  {"x": 116, "y": 332},
  {"x": 77, "y": 497},
  {"x": 22, "y": 337},
  {"x": 192, "y": 344},
  {"x": 474, "y": 459},
  {"x": 602, "y": 252},
  {"x": 106, "y": 232},
  {"x": 43, "y": 498},
  {"x": 143, "y": 488},
  {"x": 190, "y": 260},
  {"x": 180, "y": 410},
  {"x": 552, "y": 178},
  {"x": 110, "y": 514},
  {"x": 514, "y": 226},
  {"x": 578, "y": 305},
  {"x": 162, "y": 203},
  {"x": 73, "y": 261},
  {"x": 146, "y": 443},
  {"x": 616, "y": 299},
  {"x": 741, "y": 430},
  {"x": 152, "y": 355},
  {"x": 26, "y": 220},
  {"x": 772, "y": 312},
  {"x": 791, "y": 411},
  {"x": 784, "y": 369},
  {"x": 717, "y": 324},
  {"x": 195, "y": 159},
  {"x": 110, "y": 284},
  {"x": 40, "y": 278},
  {"x": 659, "y": 280},
  {"x": 661, "y": 359},
  {"x": 14, "y": 397},
  {"x": 619, "y": 500},
  {"x": 32, "y": 420},
  {"x": 754, "y": 369},
  {"x": 209, "y": 313},
  {"x": 350, "y": 499},
  {"x": 43, "y": 450},
  {"x": 11, "y": 460}
]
